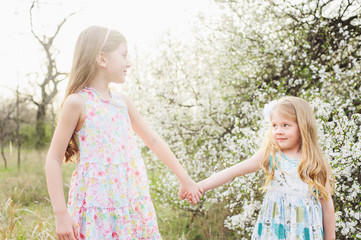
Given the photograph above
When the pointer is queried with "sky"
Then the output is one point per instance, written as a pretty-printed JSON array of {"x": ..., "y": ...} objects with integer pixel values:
[{"x": 143, "y": 22}]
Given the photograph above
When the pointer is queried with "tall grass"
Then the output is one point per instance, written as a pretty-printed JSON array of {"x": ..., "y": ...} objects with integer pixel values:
[
  {"x": 25, "y": 209},
  {"x": 26, "y": 213}
]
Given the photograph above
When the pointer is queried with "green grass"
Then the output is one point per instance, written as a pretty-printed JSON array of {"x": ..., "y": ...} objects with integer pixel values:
[
  {"x": 179, "y": 224},
  {"x": 26, "y": 213},
  {"x": 25, "y": 209}
]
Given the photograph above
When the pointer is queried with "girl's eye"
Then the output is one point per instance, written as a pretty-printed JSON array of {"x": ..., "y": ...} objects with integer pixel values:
[
  {"x": 274, "y": 126},
  {"x": 286, "y": 125}
]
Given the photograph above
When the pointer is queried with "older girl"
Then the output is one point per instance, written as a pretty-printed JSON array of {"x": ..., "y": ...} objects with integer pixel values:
[{"x": 109, "y": 194}]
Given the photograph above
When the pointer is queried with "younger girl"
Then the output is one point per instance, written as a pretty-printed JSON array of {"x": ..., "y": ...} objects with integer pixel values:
[
  {"x": 298, "y": 203},
  {"x": 109, "y": 194}
]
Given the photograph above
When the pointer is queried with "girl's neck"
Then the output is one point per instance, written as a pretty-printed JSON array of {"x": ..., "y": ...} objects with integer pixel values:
[
  {"x": 292, "y": 154},
  {"x": 101, "y": 86}
]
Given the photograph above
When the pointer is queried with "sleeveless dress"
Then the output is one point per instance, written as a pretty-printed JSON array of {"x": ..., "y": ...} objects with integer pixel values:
[
  {"x": 109, "y": 192},
  {"x": 289, "y": 210}
]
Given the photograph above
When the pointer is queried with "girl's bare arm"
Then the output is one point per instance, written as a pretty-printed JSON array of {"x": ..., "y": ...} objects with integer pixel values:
[
  {"x": 250, "y": 165},
  {"x": 158, "y": 146},
  {"x": 68, "y": 120},
  {"x": 328, "y": 216}
]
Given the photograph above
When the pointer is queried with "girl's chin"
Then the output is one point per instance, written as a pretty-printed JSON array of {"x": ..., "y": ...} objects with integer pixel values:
[
  {"x": 119, "y": 81},
  {"x": 283, "y": 146}
]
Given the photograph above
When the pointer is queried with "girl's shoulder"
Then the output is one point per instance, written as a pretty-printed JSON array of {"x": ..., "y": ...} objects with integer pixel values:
[
  {"x": 75, "y": 105},
  {"x": 71, "y": 111},
  {"x": 120, "y": 97},
  {"x": 73, "y": 101}
]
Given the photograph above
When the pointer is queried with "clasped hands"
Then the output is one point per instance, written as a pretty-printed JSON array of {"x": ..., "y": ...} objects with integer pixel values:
[{"x": 191, "y": 191}]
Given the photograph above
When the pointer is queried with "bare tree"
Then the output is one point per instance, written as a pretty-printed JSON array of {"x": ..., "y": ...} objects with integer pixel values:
[
  {"x": 6, "y": 126},
  {"x": 17, "y": 124},
  {"x": 52, "y": 77},
  {"x": 14, "y": 113}
]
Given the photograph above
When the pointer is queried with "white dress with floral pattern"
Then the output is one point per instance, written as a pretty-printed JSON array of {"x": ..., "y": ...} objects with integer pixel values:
[{"x": 109, "y": 193}]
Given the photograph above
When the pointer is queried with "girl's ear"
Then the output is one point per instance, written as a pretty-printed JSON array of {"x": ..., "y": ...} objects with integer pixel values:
[{"x": 101, "y": 59}]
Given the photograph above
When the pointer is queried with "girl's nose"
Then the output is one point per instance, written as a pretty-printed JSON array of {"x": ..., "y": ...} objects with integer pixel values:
[{"x": 280, "y": 131}]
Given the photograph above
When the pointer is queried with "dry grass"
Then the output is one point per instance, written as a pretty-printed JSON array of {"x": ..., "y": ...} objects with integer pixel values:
[
  {"x": 26, "y": 213},
  {"x": 25, "y": 209}
]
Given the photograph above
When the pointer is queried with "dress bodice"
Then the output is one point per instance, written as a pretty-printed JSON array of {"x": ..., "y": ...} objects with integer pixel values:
[
  {"x": 286, "y": 176},
  {"x": 104, "y": 136}
]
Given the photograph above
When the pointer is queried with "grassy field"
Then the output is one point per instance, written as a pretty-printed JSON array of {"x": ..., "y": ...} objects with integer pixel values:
[{"x": 25, "y": 209}]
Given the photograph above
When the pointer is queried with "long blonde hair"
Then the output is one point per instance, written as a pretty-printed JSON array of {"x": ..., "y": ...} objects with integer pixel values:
[
  {"x": 84, "y": 67},
  {"x": 313, "y": 169}
]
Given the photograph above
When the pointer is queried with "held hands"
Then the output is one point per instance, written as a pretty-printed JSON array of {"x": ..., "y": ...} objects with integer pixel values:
[
  {"x": 190, "y": 191},
  {"x": 66, "y": 228}
]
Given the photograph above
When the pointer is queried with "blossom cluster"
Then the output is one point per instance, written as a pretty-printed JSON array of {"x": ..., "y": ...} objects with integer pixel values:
[{"x": 208, "y": 104}]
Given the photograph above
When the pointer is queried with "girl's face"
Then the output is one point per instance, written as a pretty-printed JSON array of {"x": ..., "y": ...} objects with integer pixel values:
[
  {"x": 118, "y": 64},
  {"x": 286, "y": 133}
]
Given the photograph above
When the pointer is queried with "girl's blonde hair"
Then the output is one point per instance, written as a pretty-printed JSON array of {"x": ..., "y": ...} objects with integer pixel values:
[
  {"x": 90, "y": 42},
  {"x": 313, "y": 169}
]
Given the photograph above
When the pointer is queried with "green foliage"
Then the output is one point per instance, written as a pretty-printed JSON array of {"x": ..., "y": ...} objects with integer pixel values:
[{"x": 28, "y": 135}]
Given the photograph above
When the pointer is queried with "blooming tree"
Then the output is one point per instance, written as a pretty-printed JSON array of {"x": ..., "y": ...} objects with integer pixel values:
[{"x": 205, "y": 97}]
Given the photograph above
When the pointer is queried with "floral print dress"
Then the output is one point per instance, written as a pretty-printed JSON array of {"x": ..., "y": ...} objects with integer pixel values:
[
  {"x": 289, "y": 210},
  {"x": 109, "y": 193}
]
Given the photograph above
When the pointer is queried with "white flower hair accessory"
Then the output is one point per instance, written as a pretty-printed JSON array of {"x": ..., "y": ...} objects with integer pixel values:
[{"x": 268, "y": 108}]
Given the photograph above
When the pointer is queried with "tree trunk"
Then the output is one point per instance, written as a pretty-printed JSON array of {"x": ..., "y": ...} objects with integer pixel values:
[
  {"x": 3, "y": 155},
  {"x": 51, "y": 78},
  {"x": 19, "y": 153},
  {"x": 18, "y": 140},
  {"x": 40, "y": 126}
]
